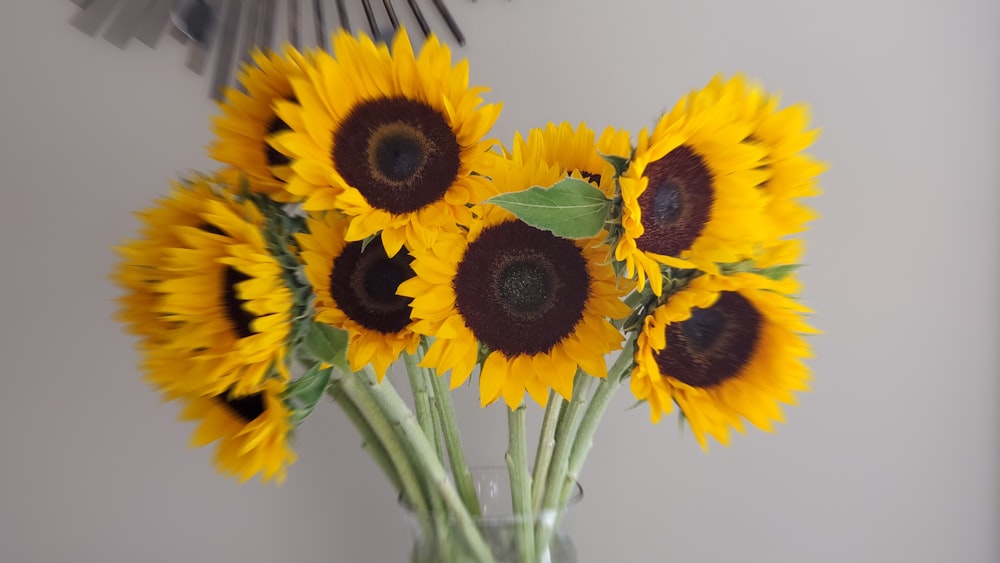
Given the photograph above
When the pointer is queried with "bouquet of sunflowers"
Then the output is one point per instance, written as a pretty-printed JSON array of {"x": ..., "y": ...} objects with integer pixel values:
[{"x": 362, "y": 216}]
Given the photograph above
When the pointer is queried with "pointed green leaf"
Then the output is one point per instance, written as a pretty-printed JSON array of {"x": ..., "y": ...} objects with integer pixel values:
[
  {"x": 571, "y": 208},
  {"x": 328, "y": 344},
  {"x": 305, "y": 392},
  {"x": 620, "y": 163},
  {"x": 366, "y": 241},
  {"x": 779, "y": 273}
]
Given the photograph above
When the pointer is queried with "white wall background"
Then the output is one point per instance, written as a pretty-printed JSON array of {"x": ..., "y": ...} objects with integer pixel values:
[{"x": 894, "y": 457}]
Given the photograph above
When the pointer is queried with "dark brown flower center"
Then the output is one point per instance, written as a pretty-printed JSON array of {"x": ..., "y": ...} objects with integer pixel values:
[
  {"x": 246, "y": 408},
  {"x": 592, "y": 177},
  {"x": 401, "y": 154},
  {"x": 714, "y": 345},
  {"x": 364, "y": 286},
  {"x": 677, "y": 202},
  {"x": 235, "y": 308},
  {"x": 273, "y": 156},
  {"x": 521, "y": 290}
]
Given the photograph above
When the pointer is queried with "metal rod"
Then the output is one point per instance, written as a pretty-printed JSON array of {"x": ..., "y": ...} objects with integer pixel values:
[
  {"x": 249, "y": 35},
  {"x": 345, "y": 23},
  {"x": 265, "y": 29},
  {"x": 155, "y": 23},
  {"x": 320, "y": 24},
  {"x": 293, "y": 23},
  {"x": 391, "y": 12},
  {"x": 89, "y": 19},
  {"x": 448, "y": 19},
  {"x": 125, "y": 23},
  {"x": 371, "y": 17},
  {"x": 419, "y": 15},
  {"x": 198, "y": 51},
  {"x": 227, "y": 43}
]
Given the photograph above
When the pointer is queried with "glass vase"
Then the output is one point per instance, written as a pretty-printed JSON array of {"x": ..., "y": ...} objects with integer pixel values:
[{"x": 437, "y": 538}]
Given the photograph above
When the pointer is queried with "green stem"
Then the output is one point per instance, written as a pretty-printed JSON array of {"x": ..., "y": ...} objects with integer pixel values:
[
  {"x": 520, "y": 487},
  {"x": 393, "y": 443},
  {"x": 370, "y": 442},
  {"x": 421, "y": 395},
  {"x": 388, "y": 402},
  {"x": 569, "y": 423},
  {"x": 453, "y": 440},
  {"x": 436, "y": 421},
  {"x": 546, "y": 442},
  {"x": 595, "y": 412}
]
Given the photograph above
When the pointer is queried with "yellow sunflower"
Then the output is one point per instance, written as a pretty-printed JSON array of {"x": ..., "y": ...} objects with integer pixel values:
[
  {"x": 690, "y": 197},
  {"x": 538, "y": 303},
  {"x": 576, "y": 151},
  {"x": 249, "y": 121},
  {"x": 392, "y": 140},
  {"x": 356, "y": 291},
  {"x": 205, "y": 295},
  {"x": 723, "y": 349},
  {"x": 252, "y": 430},
  {"x": 791, "y": 174}
]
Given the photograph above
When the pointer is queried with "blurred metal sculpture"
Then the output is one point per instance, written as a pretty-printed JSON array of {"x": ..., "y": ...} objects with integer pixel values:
[{"x": 216, "y": 24}]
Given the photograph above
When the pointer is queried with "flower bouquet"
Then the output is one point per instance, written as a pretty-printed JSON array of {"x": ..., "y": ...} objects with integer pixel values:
[{"x": 362, "y": 217}]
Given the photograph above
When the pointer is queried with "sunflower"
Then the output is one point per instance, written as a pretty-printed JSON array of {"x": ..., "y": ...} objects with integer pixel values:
[
  {"x": 724, "y": 349},
  {"x": 252, "y": 430},
  {"x": 205, "y": 295},
  {"x": 538, "y": 303},
  {"x": 690, "y": 197},
  {"x": 393, "y": 140},
  {"x": 248, "y": 121},
  {"x": 783, "y": 133},
  {"x": 355, "y": 289},
  {"x": 576, "y": 151}
]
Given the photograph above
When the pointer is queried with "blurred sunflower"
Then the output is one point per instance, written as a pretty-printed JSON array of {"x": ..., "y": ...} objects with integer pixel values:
[
  {"x": 784, "y": 135},
  {"x": 723, "y": 349},
  {"x": 355, "y": 290},
  {"x": 248, "y": 121},
  {"x": 252, "y": 430},
  {"x": 205, "y": 294},
  {"x": 576, "y": 151},
  {"x": 538, "y": 303},
  {"x": 689, "y": 195},
  {"x": 392, "y": 140}
]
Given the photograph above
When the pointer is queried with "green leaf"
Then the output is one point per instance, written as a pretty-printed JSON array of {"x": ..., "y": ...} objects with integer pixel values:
[
  {"x": 310, "y": 386},
  {"x": 571, "y": 208},
  {"x": 779, "y": 273},
  {"x": 366, "y": 241},
  {"x": 307, "y": 390},
  {"x": 636, "y": 405},
  {"x": 328, "y": 344},
  {"x": 620, "y": 163}
]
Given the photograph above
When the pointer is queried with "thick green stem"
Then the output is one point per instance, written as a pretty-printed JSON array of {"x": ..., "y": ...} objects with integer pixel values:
[
  {"x": 453, "y": 441},
  {"x": 520, "y": 486},
  {"x": 546, "y": 443},
  {"x": 421, "y": 452},
  {"x": 421, "y": 395},
  {"x": 436, "y": 422},
  {"x": 369, "y": 441},
  {"x": 382, "y": 426},
  {"x": 595, "y": 412},
  {"x": 566, "y": 430}
]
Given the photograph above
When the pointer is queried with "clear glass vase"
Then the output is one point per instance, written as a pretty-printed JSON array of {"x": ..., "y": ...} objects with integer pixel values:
[{"x": 438, "y": 538}]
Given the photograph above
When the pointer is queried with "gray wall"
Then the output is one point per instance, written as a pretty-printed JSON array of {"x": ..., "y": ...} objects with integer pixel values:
[{"x": 894, "y": 457}]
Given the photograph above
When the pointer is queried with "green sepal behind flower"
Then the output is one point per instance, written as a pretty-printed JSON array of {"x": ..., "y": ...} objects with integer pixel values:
[
  {"x": 620, "y": 163},
  {"x": 328, "y": 344},
  {"x": 305, "y": 392},
  {"x": 572, "y": 208}
]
